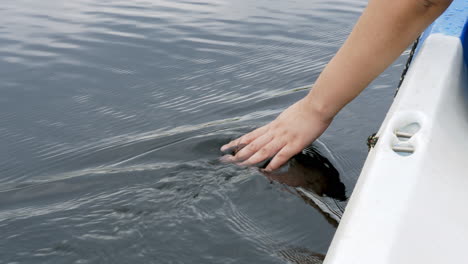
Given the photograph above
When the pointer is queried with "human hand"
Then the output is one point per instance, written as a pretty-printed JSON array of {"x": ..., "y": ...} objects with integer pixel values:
[{"x": 293, "y": 130}]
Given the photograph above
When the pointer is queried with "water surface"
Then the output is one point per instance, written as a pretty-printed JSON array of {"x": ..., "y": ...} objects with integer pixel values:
[{"x": 112, "y": 114}]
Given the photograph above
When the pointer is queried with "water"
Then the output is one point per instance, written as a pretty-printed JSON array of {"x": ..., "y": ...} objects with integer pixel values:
[{"x": 112, "y": 114}]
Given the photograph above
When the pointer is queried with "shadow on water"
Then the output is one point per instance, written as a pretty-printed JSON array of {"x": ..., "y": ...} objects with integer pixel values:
[
  {"x": 316, "y": 181},
  {"x": 312, "y": 177}
]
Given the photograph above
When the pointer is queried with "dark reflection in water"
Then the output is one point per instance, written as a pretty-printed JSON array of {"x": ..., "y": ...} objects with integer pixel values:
[
  {"x": 316, "y": 181},
  {"x": 112, "y": 114}
]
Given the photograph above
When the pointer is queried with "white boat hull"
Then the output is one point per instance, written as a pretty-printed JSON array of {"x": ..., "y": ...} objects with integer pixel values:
[{"x": 410, "y": 204}]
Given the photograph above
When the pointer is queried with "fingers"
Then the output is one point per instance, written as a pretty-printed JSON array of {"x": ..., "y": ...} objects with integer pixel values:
[
  {"x": 246, "y": 139},
  {"x": 252, "y": 148},
  {"x": 260, "y": 145},
  {"x": 282, "y": 157},
  {"x": 267, "y": 151}
]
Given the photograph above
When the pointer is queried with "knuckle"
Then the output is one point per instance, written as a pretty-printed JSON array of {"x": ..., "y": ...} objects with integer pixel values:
[
  {"x": 247, "y": 137},
  {"x": 281, "y": 156},
  {"x": 263, "y": 152},
  {"x": 252, "y": 147},
  {"x": 239, "y": 140},
  {"x": 285, "y": 133},
  {"x": 244, "y": 154}
]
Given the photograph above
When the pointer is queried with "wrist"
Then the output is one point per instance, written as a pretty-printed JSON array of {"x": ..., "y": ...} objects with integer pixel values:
[{"x": 320, "y": 108}]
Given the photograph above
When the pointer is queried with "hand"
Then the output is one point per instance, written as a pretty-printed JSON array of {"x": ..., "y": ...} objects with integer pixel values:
[{"x": 293, "y": 130}]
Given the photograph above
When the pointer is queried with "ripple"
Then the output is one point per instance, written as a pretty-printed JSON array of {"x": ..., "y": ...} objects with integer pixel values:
[{"x": 112, "y": 114}]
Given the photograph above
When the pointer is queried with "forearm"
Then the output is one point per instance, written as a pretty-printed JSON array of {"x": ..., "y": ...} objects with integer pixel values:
[{"x": 385, "y": 29}]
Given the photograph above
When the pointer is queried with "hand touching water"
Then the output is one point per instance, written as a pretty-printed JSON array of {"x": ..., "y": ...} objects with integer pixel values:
[
  {"x": 293, "y": 130},
  {"x": 383, "y": 31}
]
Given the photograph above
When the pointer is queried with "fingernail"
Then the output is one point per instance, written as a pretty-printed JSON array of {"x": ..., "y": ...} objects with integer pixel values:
[{"x": 223, "y": 148}]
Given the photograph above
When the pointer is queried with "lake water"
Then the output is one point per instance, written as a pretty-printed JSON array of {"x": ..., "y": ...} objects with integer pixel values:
[{"x": 112, "y": 114}]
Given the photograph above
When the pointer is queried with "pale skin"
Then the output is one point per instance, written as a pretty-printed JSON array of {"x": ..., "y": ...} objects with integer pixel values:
[{"x": 384, "y": 30}]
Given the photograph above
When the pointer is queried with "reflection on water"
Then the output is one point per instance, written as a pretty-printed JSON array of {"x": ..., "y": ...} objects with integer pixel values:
[
  {"x": 313, "y": 172},
  {"x": 314, "y": 178},
  {"x": 316, "y": 181},
  {"x": 112, "y": 113}
]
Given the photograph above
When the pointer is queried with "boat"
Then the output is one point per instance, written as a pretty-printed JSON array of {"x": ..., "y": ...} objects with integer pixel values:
[{"x": 410, "y": 201}]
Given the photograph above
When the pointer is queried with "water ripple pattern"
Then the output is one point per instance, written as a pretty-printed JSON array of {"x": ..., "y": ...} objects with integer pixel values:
[{"x": 112, "y": 113}]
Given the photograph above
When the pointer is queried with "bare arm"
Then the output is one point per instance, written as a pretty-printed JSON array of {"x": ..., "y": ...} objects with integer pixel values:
[{"x": 384, "y": 30}]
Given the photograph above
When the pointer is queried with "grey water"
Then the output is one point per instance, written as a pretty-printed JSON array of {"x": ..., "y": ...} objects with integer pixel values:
[{"x": 112, "y": 114}]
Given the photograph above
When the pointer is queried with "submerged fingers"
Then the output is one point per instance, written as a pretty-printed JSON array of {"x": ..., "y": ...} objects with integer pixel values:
[
  {"x": 251, "y": 148},
  {"x": 260, "y": 145},
  {"x": 267, "y": 151},
  {"x": 246, "y": 139}
]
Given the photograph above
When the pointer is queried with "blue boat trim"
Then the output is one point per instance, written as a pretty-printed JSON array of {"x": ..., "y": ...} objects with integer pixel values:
[{"x": 453, "y": 22}]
